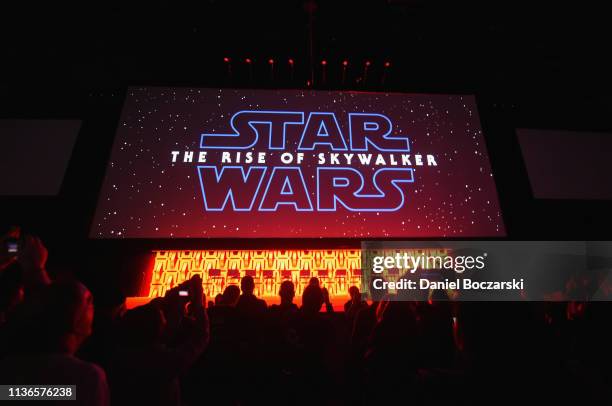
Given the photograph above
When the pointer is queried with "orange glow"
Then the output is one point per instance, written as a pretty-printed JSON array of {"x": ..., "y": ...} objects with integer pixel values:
[{"x": 337, "y": 269}]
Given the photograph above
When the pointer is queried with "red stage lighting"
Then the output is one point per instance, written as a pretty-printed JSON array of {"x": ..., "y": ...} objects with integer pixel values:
[
  {"x": 290, "y": 61},
  {"x": 387, "y": 64},
  {"x": 368, "y": 63},
  {"x": 271, "y": 61},
  {"x": 248, "y": 60},
  {"x": 345, "y": 63},
  {"x": 226, "y": 59},
  {"x": 337, "y": 269},
  {"x": 323, "y": 62}
]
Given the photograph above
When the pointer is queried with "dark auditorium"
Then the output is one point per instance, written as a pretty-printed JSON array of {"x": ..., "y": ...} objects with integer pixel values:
[{"x": 311, "y": 202}]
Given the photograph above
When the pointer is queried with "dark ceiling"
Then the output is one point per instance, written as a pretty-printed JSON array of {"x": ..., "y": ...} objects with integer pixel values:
[{"x": 546, "y": 62}]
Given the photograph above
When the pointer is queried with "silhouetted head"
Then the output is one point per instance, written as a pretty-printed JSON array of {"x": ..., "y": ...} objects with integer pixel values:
[
  {"x": 314, "y": 281},
  {"x": 218, "y": 299},
  {"x": 287, "y": 292},
  {"x": 231, "y": 294},
  {"x": 68, "y": 312},
  {"x": 355, "y": 294},
  {"x": 439, "y": 295},
  {"x": 312, "y": 299},
  {"x": 247, "y": 285},
  {"x": 143, "y": 326}
]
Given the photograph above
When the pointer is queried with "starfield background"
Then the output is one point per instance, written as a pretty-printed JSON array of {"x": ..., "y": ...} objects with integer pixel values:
[{"x": 146, "y": 195}]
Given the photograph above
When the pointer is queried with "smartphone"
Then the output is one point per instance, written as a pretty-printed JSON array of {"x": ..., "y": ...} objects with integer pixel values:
[
  {"x": 12, "y": 246},
  {"x": 12, "y": 242},
  {"x": 183, "y": 293}
]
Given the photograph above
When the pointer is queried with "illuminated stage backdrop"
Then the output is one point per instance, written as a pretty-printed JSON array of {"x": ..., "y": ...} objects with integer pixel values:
[
  {"x": 193, "y": 163},
  {"x": 336, "y": 269}
]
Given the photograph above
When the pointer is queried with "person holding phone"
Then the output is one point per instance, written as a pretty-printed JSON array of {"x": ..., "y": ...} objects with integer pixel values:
[
  {"x": 9, "y": 244},
  {"x": 159, "y": 342},
  {"x": 22, "y": 270}
]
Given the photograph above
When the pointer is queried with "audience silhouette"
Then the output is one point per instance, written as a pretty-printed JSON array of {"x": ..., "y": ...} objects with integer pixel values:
[
  {"x": 286, "y": 308},
  {"x": 248, "y": 304},
  {"x": 44, "y": 339},
  {"x": 239, "y": 351}
]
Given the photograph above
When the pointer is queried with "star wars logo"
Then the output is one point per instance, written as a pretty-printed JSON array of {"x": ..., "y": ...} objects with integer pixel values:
[{"x": 305, "y": 161}]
